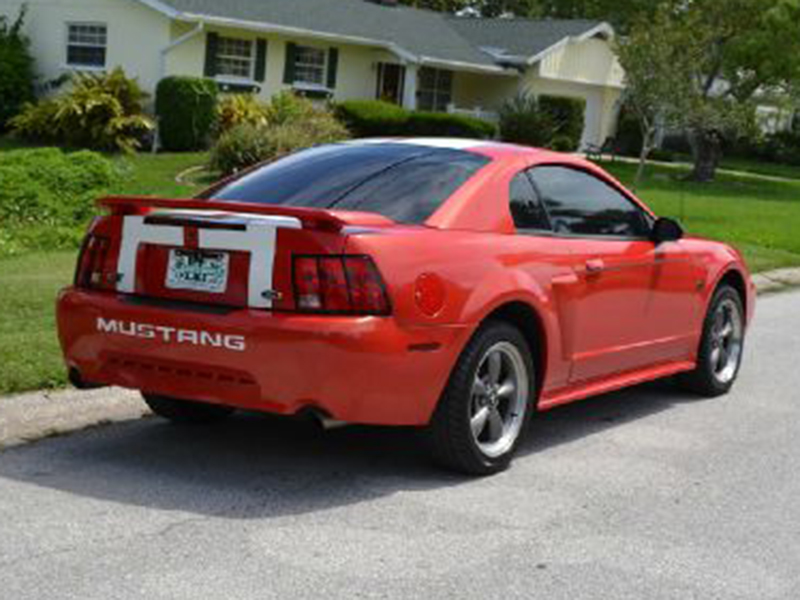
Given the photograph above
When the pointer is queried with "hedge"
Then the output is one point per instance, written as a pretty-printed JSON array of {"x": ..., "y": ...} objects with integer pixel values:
[
  {"x": 375, "y": 118},
  {"x": 47, "y": 196},
  {"x": 187, "y": 110},
  {"x": 543, "y": 121}
]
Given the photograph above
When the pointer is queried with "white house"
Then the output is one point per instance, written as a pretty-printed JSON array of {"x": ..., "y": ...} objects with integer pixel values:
[{"x": 333, "y": 48}]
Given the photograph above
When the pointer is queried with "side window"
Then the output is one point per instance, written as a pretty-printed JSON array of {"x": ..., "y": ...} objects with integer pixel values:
[
  {"x": 525, "y": 207},
  {"x": 581, "y": 204}
]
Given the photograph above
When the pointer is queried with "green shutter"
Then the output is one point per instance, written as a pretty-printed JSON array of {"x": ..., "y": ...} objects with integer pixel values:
[
  {"x": 288, "y": 68},
  {"x": 212, "y": 40},
  {"x": 261, "y": 60},
  {"x": 333, "y": 66}
]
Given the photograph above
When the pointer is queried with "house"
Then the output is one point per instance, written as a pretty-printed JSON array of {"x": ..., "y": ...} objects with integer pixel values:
[{"x": 340, "y": 49}]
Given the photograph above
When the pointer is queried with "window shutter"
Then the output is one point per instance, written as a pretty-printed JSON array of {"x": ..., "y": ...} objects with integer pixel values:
[
  {"x": 212, "y": 42},
  {"x": 261, "y": 60},
  {"x": 333, "y": 67},
  {"x": 288, "y": 68}
]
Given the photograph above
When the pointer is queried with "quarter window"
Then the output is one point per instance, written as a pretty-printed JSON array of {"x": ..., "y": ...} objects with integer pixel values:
[
  {"x": 435, "y": 89},
  {"x": 581, "y": 204},
  {"x": 525, "y": 207},
  {"x": 235, "y": 58},
  {"x": 86, "y": 44},
  {"x": 309, "y": 65}
]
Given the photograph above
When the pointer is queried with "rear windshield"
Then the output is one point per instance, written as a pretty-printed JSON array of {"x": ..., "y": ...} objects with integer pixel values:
[{"x": 404, "y": 182}]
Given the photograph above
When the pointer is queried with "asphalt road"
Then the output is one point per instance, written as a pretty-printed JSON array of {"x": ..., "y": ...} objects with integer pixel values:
[{"x": 643, "y": 494}]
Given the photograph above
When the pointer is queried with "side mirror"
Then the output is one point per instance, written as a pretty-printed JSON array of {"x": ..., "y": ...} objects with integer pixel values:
[{"x": 666, "y": 230}]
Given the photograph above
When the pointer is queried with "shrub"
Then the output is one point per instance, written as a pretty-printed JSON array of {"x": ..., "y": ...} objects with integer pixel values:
[
  {"x": 292, "y": 124},
  {"x": 186, "y": 108},
  {"x": 522, "y": 122},
  {"x": 240, "y": 109},
  {"x": 373, "y": 118},
  {"x": 562, "y": 143},
  {"x": 47, "y": 196},
  {"x": 16, "y": 68},
  {"x": 100, "y": 111},
  {"x": 448, "y": 125},
  {"x": 628, "y": 138},
  {"x": 567, "y": 115}
]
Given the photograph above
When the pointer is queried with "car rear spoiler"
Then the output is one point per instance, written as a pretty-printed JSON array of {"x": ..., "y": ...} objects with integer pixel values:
[{"x": 312, "y": 218}]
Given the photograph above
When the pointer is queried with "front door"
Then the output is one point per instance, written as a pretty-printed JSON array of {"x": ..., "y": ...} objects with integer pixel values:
[
  {"x": 619, "y": 280},
  {"x": 391, "y": 81}
]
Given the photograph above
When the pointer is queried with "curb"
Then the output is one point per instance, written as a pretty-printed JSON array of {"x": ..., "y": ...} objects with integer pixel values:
[
  {"x": 35, "y": 415},
  {"x": 776, "y": 280}
]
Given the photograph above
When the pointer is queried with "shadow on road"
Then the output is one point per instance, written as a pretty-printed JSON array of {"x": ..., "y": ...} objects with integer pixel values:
[{"x": 254, "y": 466}]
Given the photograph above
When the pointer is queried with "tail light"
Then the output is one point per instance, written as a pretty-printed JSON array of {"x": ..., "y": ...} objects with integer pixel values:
[
  {"x": 339, "y": 284},
  {"x": 93, "y": 271}
]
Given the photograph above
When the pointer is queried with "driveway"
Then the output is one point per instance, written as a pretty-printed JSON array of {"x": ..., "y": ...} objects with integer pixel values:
[{"x": 648, "y": 493}]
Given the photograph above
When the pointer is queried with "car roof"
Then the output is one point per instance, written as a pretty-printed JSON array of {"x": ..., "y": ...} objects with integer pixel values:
[{"x": 490, "y": 148}]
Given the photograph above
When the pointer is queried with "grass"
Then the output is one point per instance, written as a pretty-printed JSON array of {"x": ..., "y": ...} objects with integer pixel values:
[
  {"x": 761, "y": 218},
  {"x": 29, "y": 353}
]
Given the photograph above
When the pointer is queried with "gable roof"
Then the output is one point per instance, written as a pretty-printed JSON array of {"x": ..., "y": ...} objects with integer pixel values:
[
  {"x": 523, "y": 38},
  {"x": 420, "y": 35}
]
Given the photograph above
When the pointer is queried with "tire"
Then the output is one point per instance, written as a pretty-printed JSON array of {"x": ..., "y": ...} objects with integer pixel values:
[
  {"x": 719, "y": 356},
  {"x": 185, "y": 411},
  {"x": 496, "y": 356}
]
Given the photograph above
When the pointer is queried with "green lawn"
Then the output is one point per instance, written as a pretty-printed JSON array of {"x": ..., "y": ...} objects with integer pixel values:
[
  {"x": 761, "y": 218},
  {"x": 29, "y": 353}
]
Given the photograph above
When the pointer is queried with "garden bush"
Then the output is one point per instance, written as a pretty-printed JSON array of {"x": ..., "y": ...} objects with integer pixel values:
[
  {"x": 101, "y": 111},
  {"x": 186, "y": 108},
  {"x": 16, "y": 68},
  {"x": 47, "y": 196},
  {"x": 240, "y": 109},
  {"x": 544, "y": 121},
  {"x": 292, "y": 123},
  {"x": 434, "y": 124},
  {"x": 373, "y": 118}
]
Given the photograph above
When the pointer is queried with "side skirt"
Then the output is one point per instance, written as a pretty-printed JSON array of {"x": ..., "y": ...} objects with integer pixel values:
[{"x": 609, "y": 384}]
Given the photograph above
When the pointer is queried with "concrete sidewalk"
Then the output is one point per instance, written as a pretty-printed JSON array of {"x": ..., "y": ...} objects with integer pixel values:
[{"x": 35, "y": 415}]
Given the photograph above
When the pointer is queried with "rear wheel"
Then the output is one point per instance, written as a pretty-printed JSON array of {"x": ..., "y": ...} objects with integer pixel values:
[
  {"x": 185, "y": 411},
  {"x": 721, "y": 346},
  {"x": 480, "y": 418}
]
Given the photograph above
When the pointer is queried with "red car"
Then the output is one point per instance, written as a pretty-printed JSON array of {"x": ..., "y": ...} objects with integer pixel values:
[{"x": 450, "y": 284}]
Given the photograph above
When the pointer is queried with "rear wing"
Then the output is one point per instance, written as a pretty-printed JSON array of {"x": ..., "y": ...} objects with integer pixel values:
[{"x": 311, "y": 218}]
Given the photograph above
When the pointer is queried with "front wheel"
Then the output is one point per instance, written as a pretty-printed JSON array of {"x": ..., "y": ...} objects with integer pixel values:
[
  {"x": 480, "y": 418},
  {"x": 185, "y": 411},
  {"x": 721, "y": 346}
]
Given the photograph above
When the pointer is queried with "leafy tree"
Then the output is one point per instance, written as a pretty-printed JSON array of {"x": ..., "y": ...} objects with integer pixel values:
[
  {"x": 16, "y": 68},
  {"x": 733, "y": 53},
  {"x": 653, "y": 58},
  {"x": 439, "y": 5}
]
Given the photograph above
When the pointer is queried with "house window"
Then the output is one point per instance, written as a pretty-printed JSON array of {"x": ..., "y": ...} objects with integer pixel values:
[
  {"x": 86, "y": 44},
  {"x": 435, "y": 89},
  {"x": 235, "y": 58},
  {"x": 309, "y": 65}
]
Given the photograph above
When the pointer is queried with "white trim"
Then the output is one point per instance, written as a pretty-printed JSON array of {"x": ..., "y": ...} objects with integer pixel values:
[
  {"x": 67, "y": 44},
  {"x": 588, "y": 82},
  {"x": 164, "y": 9},
  {"x": 237, "y": 79},
  {"x": 429, "y": 61},
  {"x": 258, "y": 239}
]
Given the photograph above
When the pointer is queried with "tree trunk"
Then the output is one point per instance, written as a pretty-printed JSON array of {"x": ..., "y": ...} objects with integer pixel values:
[
  {"x": 707, "y": 153},
  {"x": 648, "y": 133}
]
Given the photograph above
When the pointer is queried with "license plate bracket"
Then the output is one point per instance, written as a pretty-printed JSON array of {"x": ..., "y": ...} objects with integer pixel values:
[{"x": 197, "y": 270}]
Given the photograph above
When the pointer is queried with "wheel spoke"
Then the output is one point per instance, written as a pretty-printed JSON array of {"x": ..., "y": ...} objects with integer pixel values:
[
  {"x": 716, "y": 353},
  {"x": 479, "y": 387},
  {"x": 495, "y": 424},
  {"x": 495, "y": 364},
  {"x": 478, "y": 421},
  {"x": 507, "y": 389},
  {"x": 726, "y": 330}
]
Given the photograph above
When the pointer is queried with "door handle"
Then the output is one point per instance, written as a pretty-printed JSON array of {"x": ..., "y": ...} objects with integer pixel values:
[{"x": 594, "y": 266}]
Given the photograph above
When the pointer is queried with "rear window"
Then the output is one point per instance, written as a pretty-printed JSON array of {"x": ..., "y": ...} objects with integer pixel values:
[{"x": 404, "y": 182}]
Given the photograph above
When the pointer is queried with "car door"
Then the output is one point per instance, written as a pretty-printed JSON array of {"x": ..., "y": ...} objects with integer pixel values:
[{"x": 614, "y": 261}]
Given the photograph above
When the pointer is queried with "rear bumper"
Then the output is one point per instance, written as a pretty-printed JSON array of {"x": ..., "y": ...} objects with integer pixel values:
[{"x": 355, "y": 369}]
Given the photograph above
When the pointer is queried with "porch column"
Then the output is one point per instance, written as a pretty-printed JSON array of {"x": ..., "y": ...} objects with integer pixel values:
[{"x": 410, "y": 87}]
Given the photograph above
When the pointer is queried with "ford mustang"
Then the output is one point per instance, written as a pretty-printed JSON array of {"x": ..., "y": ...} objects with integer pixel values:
[{"x": 454, "y": 285}]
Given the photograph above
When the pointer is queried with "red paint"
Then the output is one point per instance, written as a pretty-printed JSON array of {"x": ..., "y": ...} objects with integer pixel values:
[{"x": 610, "y": 313}]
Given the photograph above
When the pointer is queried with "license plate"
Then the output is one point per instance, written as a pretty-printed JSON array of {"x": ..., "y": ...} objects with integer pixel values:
[{"x": 197, "y": 271}]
